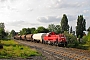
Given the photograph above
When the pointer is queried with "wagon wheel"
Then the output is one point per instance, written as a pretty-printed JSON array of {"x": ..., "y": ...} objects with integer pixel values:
[
  {"x": 56, "y": 42},
  {"x": 43, "y": 42}
]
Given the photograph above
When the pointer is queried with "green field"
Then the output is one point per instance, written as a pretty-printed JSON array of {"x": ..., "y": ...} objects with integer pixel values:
[{"x": 12, "y": 49}]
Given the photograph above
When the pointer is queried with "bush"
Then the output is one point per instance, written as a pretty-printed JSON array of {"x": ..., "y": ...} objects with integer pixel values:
[
  {"x": 1, "y": 46},
  {"x": 86, "y": 39},
  {"x": 71, "y": 39}
]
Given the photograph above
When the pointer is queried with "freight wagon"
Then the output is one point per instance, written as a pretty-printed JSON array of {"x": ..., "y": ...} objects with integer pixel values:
[
  {"x": 29, "y": 37},
  {"x": 18, "y": 37},
  {"x": 38, "y": 37},
  {"x": 23, "y": 37}
]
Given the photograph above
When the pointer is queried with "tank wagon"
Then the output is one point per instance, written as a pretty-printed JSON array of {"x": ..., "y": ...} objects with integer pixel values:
[
  {"x": 29, "y": 37},
  {"x": 18, "y": 37},
  {"x": 38, "y": 37},
  {"x": 23, "y": 37}
]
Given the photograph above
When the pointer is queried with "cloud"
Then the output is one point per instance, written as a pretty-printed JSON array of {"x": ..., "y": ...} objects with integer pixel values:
[
  {"x": 69, "y": 4},
  {"x": 49, "y": 19},
  {"x": 86, "y": 11},
  {"x": 21, "y": 23},
  {"x": 3, "y": 0},
  {"x": 30, "y": 9},
  {"x": 18, "y": 25}
]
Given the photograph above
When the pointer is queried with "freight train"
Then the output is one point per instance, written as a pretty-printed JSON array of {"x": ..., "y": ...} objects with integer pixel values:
[{"x": 46, "y": 38}]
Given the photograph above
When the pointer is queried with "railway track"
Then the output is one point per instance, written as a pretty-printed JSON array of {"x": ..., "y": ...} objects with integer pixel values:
[{"x": 59, "y": 53}]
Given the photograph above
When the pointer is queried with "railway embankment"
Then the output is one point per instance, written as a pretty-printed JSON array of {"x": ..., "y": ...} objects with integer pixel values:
[{"x": 58, "y": 53}]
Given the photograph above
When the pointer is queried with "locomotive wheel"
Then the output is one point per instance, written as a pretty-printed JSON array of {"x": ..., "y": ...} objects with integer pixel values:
[
  {"x": 51, "y": 43},
  {"x": 56, "y": 43},
  {"x": 61, "y": 45},
  {"x": 38, "y": 41},
  {"x": 46, "y": 42},
  {"x": 65, "y": 44},
  {"x": 35, "y": 41}
]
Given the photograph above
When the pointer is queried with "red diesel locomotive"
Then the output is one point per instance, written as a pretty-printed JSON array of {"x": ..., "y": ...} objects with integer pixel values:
[{"x": 55, "y": 39}]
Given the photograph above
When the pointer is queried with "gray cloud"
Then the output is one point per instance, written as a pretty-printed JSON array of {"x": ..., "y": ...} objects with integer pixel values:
[
  {"x": 30, "y": 9},
  {"x": 49, "y": 19},
  {"x": 21, "y": 24},
  {"x": 18, "y": 25},
  {"x": 69, "y": 4},
  {"x": 3, "y": 0}
]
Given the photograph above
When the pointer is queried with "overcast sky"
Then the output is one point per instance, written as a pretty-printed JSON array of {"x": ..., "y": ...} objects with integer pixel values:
[{"x": 18, "y": 14}]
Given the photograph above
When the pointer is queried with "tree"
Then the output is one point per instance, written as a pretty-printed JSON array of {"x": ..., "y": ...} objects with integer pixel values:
[
  {"x": 41, "y": 29},
  {"x": 2, "y": 33},
  {"x": 33, "y": 30},
  {"x": 2, "y": 25},
  {"x": 71, "y": 30},
  {"x": 81, "y": 26},
  {"x": 64, "y": 23},
  {"x": 25, "y": 31},
  {"x": 51, "y": 27},
  {"x": 58, "y": 29},
  {"x": 12, "y": 33},
  {"x": 84, "y": 25},
  {"x": 28, "y": 31},
  {"x": 54, "y": 28}
]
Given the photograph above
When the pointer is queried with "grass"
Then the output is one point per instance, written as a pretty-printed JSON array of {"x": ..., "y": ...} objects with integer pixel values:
[
  {"x": 84, "y": 47},
  {"x": 12, "y": 49}
]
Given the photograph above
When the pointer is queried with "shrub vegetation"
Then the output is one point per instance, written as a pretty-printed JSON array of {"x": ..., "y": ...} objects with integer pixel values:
[
  {"x": 86, "y": 40},
  {"x": 12, "y": 49},
  {"x": 71, "y": 39}
]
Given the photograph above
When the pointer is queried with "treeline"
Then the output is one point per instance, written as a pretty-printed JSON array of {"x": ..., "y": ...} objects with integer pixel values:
[{"x": 61, "y": 28}]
